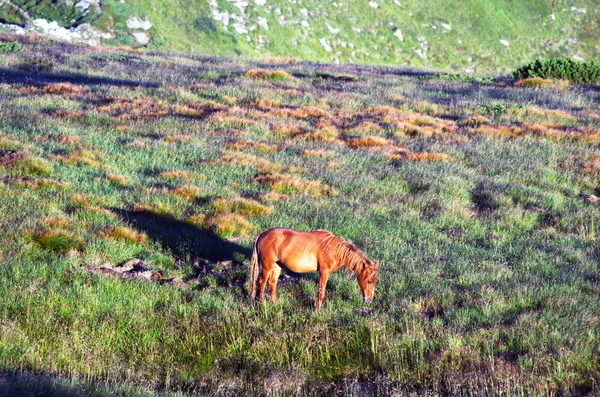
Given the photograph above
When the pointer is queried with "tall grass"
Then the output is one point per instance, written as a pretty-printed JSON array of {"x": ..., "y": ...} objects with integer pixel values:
[{"x": 489, "y": 261}]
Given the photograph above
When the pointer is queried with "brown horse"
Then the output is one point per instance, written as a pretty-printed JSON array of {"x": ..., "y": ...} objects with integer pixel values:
[{"x": 306, "y": 252}]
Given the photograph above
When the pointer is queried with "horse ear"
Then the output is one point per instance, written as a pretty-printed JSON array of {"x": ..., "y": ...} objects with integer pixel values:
[{"x": 377, "y": 264}]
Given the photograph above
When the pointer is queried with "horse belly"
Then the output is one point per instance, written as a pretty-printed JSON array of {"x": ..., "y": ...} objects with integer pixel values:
[{"x": 301, "y": 265}]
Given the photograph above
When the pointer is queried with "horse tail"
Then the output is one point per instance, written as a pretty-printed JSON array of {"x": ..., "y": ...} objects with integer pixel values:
[{"x": 254, "y": 269}]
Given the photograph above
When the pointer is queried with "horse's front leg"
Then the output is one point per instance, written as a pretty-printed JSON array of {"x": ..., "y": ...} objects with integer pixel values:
[{"x": 324, "y": 276}]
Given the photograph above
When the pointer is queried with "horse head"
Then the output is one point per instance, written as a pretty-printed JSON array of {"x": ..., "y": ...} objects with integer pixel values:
[{"x": 367, "y": 280}]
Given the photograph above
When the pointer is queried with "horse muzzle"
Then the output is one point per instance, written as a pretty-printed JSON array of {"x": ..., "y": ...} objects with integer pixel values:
[{"x": 366, "y": 300}]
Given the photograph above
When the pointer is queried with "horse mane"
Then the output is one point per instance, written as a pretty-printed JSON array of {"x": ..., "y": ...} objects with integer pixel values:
[{"x": 349, "y": 256}]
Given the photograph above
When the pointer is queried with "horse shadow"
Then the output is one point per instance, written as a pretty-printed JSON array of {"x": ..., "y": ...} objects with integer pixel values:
[{"x": 184, "y": 241}]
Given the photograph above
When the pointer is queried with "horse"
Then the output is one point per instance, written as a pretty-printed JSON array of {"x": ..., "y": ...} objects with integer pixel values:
[{"x": 306, "y": 252}]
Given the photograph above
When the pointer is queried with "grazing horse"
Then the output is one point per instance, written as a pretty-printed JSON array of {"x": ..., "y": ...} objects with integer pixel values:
[{"x": 306, "y": 252}]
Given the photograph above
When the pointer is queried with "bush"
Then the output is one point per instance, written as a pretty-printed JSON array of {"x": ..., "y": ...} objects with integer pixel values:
[
  {"x": 65, "y": 15},
  {"x": 10, "y": 46},
  {"x": 561, "y": 68}
]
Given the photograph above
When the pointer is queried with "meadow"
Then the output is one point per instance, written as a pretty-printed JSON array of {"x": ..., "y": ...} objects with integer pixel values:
[{"x": 465, "y": 188}]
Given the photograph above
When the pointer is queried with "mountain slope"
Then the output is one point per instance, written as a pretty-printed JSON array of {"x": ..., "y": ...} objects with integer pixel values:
[{"x": 473, "y": 35}]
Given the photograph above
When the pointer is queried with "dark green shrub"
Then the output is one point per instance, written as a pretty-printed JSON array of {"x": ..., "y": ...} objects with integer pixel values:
[
  {"x": 64, "y": 14},
  {"x": 10, "y": 46},
  {"x": 561, "y": 68}
]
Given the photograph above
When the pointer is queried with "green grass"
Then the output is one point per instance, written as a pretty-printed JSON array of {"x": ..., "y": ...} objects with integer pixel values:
[{"x": 489, "y": 261}]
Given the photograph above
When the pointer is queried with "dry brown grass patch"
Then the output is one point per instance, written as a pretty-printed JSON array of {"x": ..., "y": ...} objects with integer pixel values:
[
  {"x": 248, "y": 160},
  {"x": 286, "y": 130},
  {"x": 308, "y": 112},
  {"x": 273, "y": 197},
  {"x": 318, "y": 153},
  {"x": 400, "y": 154},
  {"x": 475, "y": 121},
  {"x": 69, "y": 140},
  {"x": 293, "y": 184},
  {"x": 119, "y": 180},
  {"x": 538, "y": 82},
  {"x": 200, "y": 86},
  {"x": 500, "y": 131},
  {"x": 180, "y": 174},
  {"x": 197, "y": 220},
  {"x": 66, "y": 88},
  {"x": 262, "y": 74},
  {"x": 241, "y": 206},
  {"x": 127, "y": 109},
  {"x": 264, "y": 103},
  {"x": 422, "y": 126},
  {"x": 549, "y": 113},
  {"x": 40, "y": 183},
  {"x": 325, "y": 134},
  {"x": 56, "y": 222},
  {"x": 230, "y": 225},
  {"x": 69, "y": 114},
  {"x": 366, "y": 142},
  {"x": 177, "y": 138},
  {"x": 189, "y": 192},
  {"x": 592, "y": 165},
  {"x": 250, "y": 145},
  {"x": 125, "y": 234},
  {"x": 158, "y": 209},
  {"x": 383, "y": 111},
  {"x": 367, "y": 127}
]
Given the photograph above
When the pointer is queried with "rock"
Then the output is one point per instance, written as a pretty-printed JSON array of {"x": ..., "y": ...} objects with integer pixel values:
[
  {"x": 221, "y": 16},
  {"x": 325, "y": 43},
  {"x": 398, "y": 34},
  {"x": 141, "y": 37},
  {"x": 373, "y": 4},
  {"x": 446, "y": 26},
  {"x": 576, "y": 10},
  {"x": 240, "y": 28},
  {"x": 137, "y": 23},
  {"x": 130, "y": 265},
  {"x": 260, "y": 2},
  {"x": 174, "y": 282},
  {"x": 84, "y": 5},
  {"x": 304, "y": 13},
  {"x": 262, "y": 22},
  {"x": 333, "y": 30},
  {"x": 504, "y": 42}
]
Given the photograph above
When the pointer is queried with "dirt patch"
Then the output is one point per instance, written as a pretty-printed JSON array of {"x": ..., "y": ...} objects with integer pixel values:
[
  {"x": 9, "y": 156},
  {"x": 134, "y": 269}
]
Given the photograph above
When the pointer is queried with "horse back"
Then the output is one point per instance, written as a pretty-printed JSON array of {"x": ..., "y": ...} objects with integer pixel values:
[{"x": 295, "y": 250}]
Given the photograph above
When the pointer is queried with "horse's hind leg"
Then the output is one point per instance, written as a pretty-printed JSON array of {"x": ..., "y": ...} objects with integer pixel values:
[
  {"x": 273, "y": 282},
  {"x": 262, "y": 281}
]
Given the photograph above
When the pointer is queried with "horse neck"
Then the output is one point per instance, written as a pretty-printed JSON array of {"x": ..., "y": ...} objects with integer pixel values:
[{"x": 348, "y": 256}]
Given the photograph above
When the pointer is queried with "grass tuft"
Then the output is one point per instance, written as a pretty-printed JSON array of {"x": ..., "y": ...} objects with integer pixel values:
[
  {"x": 60, "y": 241},
  {"x": 262, "y": 74},
  {"x": 125, "y": 234}
]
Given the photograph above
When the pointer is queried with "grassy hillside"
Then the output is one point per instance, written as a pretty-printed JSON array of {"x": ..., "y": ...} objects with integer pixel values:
[
  {"x": 448, "y": 35},
  {"x": 467, "y": 192},
  {"x": 474, "y": 35}
]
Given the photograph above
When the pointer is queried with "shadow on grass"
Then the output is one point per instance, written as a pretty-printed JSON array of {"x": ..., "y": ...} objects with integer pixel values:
[
  {"x": 185, "y": 241},
  {"x": 11, "y": 76},
  {"x": 20, "y": 384}
]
